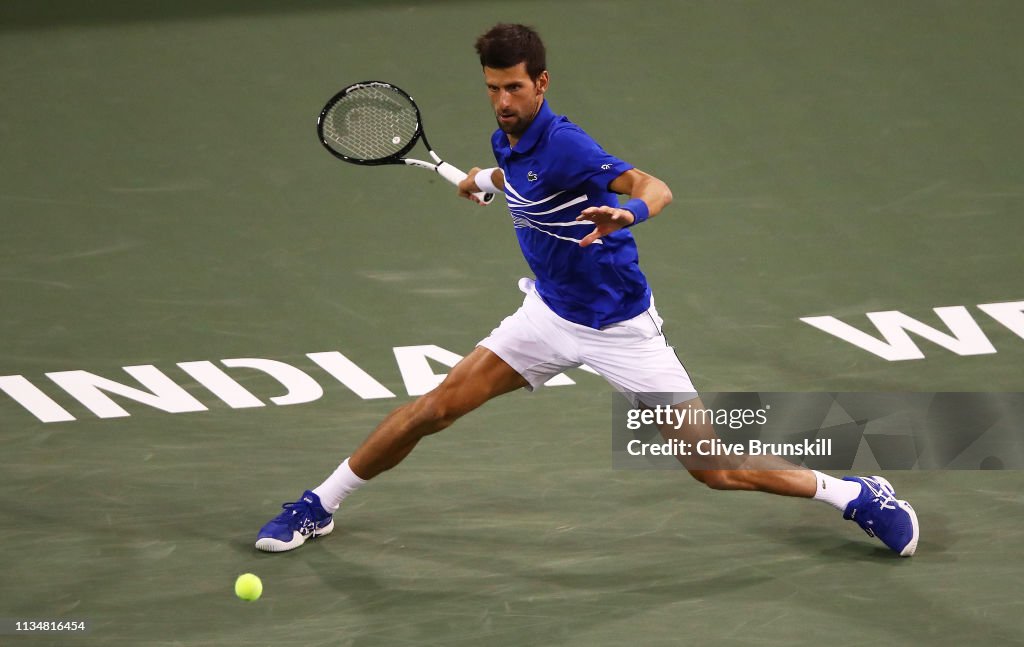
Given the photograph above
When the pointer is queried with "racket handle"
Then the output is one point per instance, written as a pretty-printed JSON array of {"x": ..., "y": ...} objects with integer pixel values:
[{"x": 454, "y": 175}]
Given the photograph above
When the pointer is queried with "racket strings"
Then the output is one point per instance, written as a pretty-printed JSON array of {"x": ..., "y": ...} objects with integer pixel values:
[{"x": 370, "y": 123}]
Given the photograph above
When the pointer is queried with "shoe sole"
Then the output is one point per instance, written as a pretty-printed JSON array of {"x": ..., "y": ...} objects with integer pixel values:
[
  {"x": 911, "y": 546},
  {"x": 271, "y": 545}
]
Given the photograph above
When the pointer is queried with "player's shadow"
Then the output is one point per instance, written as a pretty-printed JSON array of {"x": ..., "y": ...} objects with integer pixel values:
[
  {"x": 546, "y": 602},
  {"x": 847, "y": 542},
  {"x": 585, "y": 584}
]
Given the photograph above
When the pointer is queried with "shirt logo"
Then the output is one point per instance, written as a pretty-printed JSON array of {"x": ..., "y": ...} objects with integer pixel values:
[
  {"x": 605, "y": 167},
  {"x": 531, "y": 176}
]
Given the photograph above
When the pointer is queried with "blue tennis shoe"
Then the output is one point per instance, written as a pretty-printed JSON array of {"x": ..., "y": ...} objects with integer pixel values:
[
  {"x": 880, "y": 514},
  {"x": 299, "y": 521}
]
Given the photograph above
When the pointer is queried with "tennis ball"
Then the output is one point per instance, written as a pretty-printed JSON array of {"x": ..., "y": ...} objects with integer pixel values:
[{"x": 248, "y": 587}]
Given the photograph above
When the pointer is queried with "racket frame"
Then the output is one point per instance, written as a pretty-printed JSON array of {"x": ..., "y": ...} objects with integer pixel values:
[{"x": 442, "y": 168}]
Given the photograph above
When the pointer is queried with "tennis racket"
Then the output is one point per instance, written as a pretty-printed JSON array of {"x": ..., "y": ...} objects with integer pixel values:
[{"x": 373, "y": 123}]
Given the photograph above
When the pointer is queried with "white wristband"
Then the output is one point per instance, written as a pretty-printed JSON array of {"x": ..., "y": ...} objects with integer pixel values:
[{"x": 485, "y": 181}]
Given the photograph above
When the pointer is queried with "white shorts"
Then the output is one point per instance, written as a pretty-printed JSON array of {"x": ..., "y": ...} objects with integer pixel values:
[{"x": 632, "y": 355}]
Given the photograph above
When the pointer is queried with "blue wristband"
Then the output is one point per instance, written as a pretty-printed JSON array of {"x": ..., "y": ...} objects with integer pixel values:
[{"x": 639, "y": 209}]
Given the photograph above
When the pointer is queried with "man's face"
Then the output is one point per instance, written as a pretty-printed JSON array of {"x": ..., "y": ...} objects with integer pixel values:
[{"x": 515, "y": 97}]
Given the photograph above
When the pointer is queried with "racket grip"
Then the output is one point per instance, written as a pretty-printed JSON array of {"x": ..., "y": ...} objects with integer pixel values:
[{"x": 454, "y": 175}]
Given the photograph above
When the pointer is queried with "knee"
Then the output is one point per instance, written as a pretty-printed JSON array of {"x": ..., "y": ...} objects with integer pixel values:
[
  {"x": 434, "y": 412},
  {"x": 719, "y": 479}
]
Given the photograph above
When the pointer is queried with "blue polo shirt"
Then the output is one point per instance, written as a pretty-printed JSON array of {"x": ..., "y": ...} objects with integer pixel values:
[{"x": 554, "y": 172}]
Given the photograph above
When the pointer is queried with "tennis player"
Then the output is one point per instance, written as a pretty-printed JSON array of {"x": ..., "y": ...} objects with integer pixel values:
[{"x": 589, "y": 303}]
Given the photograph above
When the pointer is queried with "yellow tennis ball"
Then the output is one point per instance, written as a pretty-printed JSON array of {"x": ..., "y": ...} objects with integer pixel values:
[{"x": 248, "y": 587}]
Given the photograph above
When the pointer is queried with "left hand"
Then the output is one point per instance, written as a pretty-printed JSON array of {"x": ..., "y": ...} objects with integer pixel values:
[{"x": 605, "y": 219}]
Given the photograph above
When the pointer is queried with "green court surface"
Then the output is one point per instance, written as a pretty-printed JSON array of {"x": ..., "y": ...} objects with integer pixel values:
[{"x": 164, "y": 200}]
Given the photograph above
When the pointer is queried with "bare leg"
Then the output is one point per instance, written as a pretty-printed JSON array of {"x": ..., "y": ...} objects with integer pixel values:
[
  {"x": 480, "y": 376},
  {"x": 761, "y": 473}
]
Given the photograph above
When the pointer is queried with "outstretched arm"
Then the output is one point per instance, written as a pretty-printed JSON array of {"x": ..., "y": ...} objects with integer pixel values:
[{"x": 638, "y": 185}]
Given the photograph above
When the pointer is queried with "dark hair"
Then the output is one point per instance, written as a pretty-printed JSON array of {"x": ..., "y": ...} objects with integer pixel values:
[{"x": 507, "y": 45}]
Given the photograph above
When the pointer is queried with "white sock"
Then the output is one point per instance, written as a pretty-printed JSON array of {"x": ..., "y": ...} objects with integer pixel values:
[
  {"x": 338, "y": 486},
  {"x": 836, "y": 492}
]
